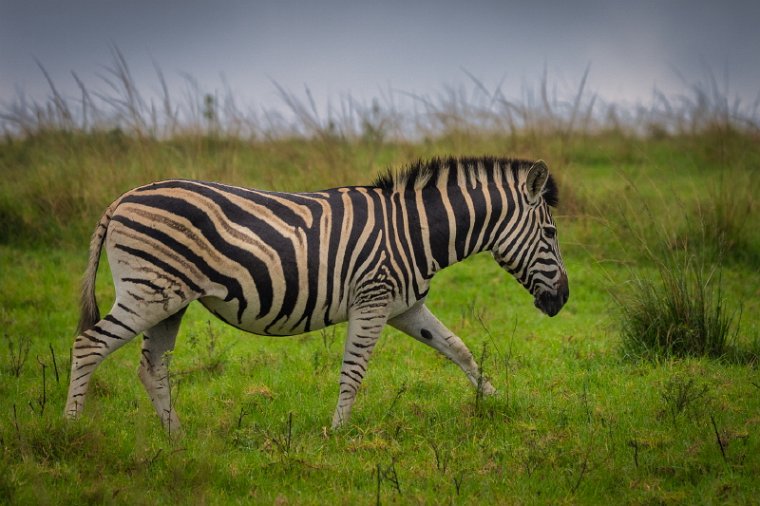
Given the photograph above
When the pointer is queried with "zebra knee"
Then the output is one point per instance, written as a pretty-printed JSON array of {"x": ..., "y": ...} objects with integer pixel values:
[
  {"x": 85, "y": 357},
  {"x": 144, "y": 373},
  {"x": 151, "y": 375}
]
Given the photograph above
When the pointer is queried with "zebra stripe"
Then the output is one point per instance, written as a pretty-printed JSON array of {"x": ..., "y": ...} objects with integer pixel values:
[{"x": 286, "y": 263}]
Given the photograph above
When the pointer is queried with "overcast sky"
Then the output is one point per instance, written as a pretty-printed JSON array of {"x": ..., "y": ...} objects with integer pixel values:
[{"x": 362, "y": 48}]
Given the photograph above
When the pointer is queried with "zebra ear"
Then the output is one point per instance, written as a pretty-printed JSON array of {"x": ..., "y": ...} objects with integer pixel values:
[{"x": 536, "y": 179}]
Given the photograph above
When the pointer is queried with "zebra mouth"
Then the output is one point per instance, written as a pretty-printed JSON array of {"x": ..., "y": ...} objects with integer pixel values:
[{"x": 549, "y": 303}]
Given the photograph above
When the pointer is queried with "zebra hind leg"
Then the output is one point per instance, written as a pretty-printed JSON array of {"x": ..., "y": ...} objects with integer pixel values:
[
  {"x": 91, "y": 347},
  {"x": 158, "y": 343}
]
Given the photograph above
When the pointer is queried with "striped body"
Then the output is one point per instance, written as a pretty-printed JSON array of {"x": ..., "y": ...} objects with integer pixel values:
[
  {"x": 268, "y": 263},
  {"x": 282, "y": 263}
]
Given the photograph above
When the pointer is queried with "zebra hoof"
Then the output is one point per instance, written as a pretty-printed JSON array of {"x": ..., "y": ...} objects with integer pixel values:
[
  {"x": 487, "y": 389},
  {"x": 72, "y": 413}
]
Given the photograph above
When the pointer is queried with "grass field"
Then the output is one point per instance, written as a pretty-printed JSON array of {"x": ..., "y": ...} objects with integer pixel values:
[{"x": 576, "y": 419}]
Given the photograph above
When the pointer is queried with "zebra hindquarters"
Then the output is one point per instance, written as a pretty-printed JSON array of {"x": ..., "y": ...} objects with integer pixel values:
[{"x": 124, "y": 321}]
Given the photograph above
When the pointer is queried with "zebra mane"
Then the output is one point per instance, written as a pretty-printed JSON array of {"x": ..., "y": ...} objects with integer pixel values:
[{"x": 481, "y": 170}]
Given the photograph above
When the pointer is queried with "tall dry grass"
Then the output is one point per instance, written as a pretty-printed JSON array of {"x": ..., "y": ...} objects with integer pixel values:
[
  {"x": 544, "y": 109},
  {"x": 63, "y": 158}
]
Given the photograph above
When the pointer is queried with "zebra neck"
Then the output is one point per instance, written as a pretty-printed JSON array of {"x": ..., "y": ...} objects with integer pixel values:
[{"x": 450, "y": 224}]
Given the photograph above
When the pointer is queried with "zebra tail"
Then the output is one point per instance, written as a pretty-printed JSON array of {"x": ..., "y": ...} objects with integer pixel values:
[{"x": 89, "y": 312}]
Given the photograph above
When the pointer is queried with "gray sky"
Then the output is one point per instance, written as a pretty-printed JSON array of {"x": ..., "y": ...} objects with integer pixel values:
[{"x": 361, "y": 48}]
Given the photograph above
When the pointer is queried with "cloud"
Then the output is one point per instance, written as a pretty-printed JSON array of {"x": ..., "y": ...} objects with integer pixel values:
[{"x": 355, "y": 46}]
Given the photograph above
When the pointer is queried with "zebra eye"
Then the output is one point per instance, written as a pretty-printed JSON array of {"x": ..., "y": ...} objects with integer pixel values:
[{"x": 550, "y": 232}]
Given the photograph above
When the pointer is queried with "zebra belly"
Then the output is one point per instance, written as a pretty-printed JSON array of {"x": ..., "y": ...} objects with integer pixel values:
[
  {"x": 227, "y": 312},
  {"x": 285, "y": 326}
]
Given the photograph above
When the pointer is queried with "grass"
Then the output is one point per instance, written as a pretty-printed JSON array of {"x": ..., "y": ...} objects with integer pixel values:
[
  {"x": 680, "y": 309},
  {"x": 574, "y": 421}
]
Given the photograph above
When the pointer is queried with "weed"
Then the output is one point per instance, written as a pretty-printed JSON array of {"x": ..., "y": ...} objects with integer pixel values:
[
  {"x": 584, "y": 468},
  {"x": 533, "y": 453},
  {"x": 284, "y": 441},
  {"x": 634, "y": 444},
  {"x": 721, "y": 445},
  {"x": 681, "y": 310},
  {"x": 15, "y": 423},
  {"x": 174, "y": 390},
  {"x": 479, "y": 393},
  {"x": 41, "y": 400},
  {"x": 18, "y": 351},
  {"x": 402, "y": 389},
  {"x": 55, "y": 365},
  {"x": 680, "y": 394},
  {"x": 442, "y": 455},
  {"x": 389, "y": 475},
  {"x": 324, "y": 358},
  {"x": 243, "y": 414},
  {"x": 458, "y": 480},
  {"x": 214, "y": 358}
]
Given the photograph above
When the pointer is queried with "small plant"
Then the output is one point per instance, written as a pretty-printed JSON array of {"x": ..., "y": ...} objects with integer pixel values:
[
  {"x": 719, "y": 439},
  {"x": 401, "y": 391},
  {"x": 680, "y": 394},
  {"x": 215, "y": 358},
  {"x": 389, "y": 475},
  {"x": 55, "y": 365},
  {"x": 442, "y": 455},
  {"x": 18, "y": 352},
  {"x": 41, "y": 401},
  {"x": 324, "y": 358},
  {"x": 479, "y": 393},
  {"x": 680, "y": 313},
  {"x": 284, "y": 441}
]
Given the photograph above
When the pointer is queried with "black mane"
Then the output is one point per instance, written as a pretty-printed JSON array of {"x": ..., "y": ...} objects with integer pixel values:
[{"x": 423, "y": 173}]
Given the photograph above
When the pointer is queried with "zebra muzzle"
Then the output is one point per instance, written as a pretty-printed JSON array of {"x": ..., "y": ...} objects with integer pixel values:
[{"x": 550, "y": 302}]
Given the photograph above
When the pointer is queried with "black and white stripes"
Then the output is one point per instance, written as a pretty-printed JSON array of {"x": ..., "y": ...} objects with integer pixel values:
[{"x": 284, "y": 263}]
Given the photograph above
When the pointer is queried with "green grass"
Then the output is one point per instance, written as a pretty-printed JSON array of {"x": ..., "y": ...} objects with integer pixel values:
[{"x": 574, "y": 420}]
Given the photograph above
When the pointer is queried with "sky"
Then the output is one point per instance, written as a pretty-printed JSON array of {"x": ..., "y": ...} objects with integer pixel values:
[{"x": 364, "y": 49}]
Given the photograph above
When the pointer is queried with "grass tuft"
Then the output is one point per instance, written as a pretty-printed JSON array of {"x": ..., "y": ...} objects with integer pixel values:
[{"x": 679, "y": 313}]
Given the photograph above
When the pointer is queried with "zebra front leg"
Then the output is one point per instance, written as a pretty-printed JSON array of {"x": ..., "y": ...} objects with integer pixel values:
[
  {"x": 364, "y": 328},
  {"x": 158, "y": 343},
  {"x": 421, "y": 324}
]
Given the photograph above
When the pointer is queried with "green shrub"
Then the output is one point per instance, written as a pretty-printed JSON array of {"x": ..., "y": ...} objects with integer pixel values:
[{"x": 679, "y": 313}]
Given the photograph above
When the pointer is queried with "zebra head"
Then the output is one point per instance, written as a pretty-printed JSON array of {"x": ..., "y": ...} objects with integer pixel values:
[{"x": 528, "y": 247}]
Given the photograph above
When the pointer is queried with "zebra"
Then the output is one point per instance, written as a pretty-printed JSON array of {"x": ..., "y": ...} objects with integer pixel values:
[{"x": 274, "y": 263}]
